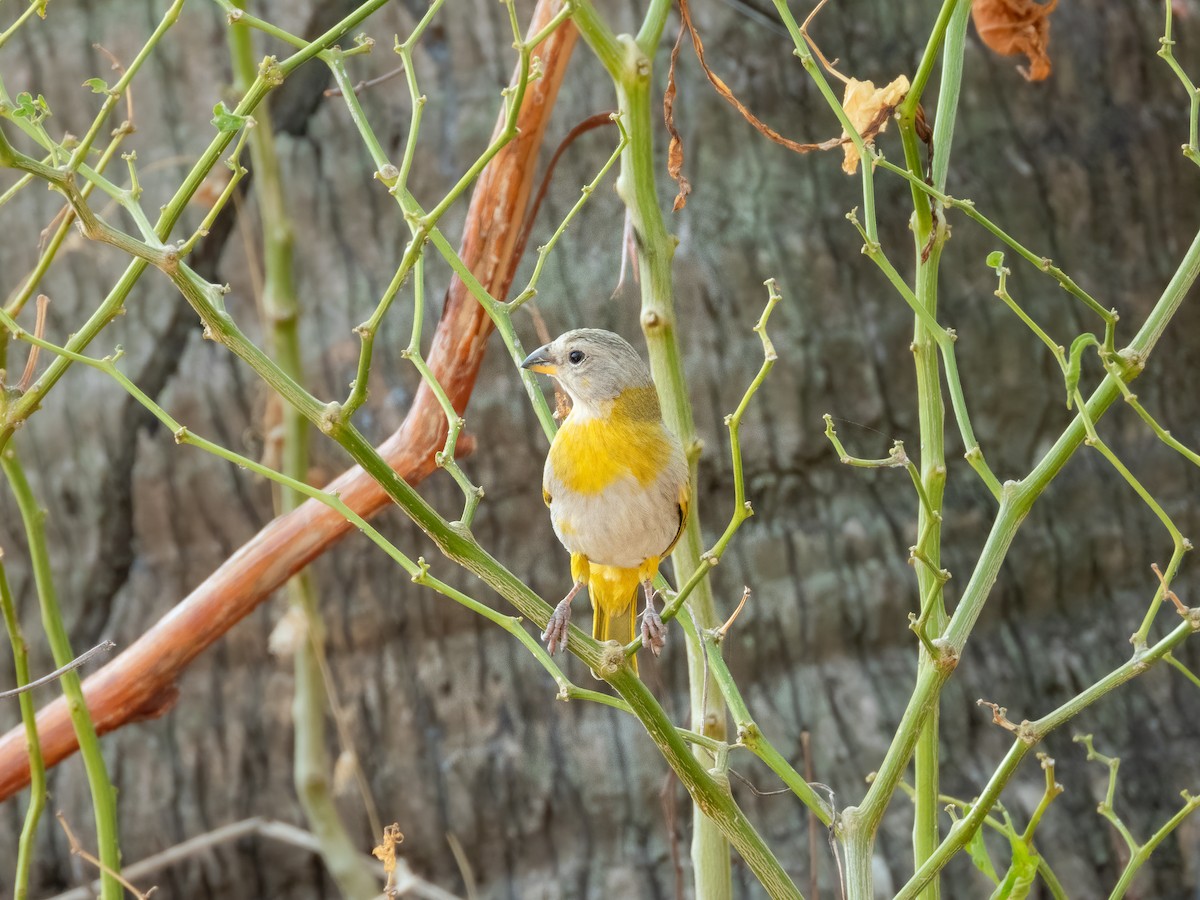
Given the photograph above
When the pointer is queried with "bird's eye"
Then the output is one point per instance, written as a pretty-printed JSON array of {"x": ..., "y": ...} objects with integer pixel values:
[{"x": 575, "y": 356}]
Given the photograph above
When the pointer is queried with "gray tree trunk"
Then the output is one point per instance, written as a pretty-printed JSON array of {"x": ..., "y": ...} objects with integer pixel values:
[{"x": 457, "y": 726}]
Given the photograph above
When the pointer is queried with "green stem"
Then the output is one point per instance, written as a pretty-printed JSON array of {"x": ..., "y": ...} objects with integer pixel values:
[
  {"x": 944, "y": 338},
  {"x": 280, "y": 311},
  {"x": 813, "y": 68},
  {"x": 423, "y": 224},
  {"x": 1028, "y": 735},
  {"x": 906, "y": 114},
  {"x": 21, "y": 295},
  {"x": 1180, "y": 667},
  {"x": 113, "y": 303},
  {"x": 748, "y": 732},
  {"x": 33, "y": 7},
  {"x": 114, "y": 93},
  {"x": 1016, "y": 502},
  {"x": 104, "y": 797},
  {"x": 460, "y": 546},
  {"x": 37, "y": 768},
  {"x": 929, "y": 237},
  {"x": 1049, "y": 793},
  {"x": 1142, "y": 853},
  {"x": 709, "y": 793},
  {"x": 931, "y": 413},
  {"x": 1181, "y": 544},
  {"x": 1042, "y": 263},
  {"x": 656, "y": 247},
  {"x": 742, "y": 510},
  {"x": 1192, "y": 148}
]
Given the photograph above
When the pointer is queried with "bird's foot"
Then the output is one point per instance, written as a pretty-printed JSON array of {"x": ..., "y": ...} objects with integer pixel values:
[
  {"x": 654, "y": 632},
  {"x": 559, "y": 625}
]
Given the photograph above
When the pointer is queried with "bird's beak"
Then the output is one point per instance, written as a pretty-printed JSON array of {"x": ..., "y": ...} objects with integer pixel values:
[{"x": 540, "y": 360}]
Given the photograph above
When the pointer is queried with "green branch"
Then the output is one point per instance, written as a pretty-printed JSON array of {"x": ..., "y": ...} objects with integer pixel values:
[
  {"x": 1138, "y": 852},
  {"x": 281, "y": 312},
  {"x": 37, "y": 768},
  {"x": 1028, "y": 735},
  {"x": 113, "y": 303},
  {"x": 749, "y": 733},
  {"x": 104, "y": 798},
  {"x": 1167, "y": 51}
]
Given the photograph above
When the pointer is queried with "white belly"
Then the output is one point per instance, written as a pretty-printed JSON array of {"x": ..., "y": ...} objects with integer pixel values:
[{"x": 623, "y": 525}]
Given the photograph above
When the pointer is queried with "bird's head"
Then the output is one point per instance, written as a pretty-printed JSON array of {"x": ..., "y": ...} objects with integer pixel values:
[{"x": 594, "y": 367}]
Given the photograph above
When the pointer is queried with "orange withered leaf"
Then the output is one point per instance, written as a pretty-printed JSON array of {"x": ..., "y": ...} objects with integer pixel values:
[
  {"x": 675, "y": 148},
  {"x": 1009, "y": 27},
  {"x": 869, "y": 109}
]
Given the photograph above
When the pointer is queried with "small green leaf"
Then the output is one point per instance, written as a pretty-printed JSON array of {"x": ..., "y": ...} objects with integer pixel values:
[
  {"x": 977, "y": 850},
  {"x": 1018, "y": 880},
  {"x": 1078, "y": 345},
  {"x": 995, "y": 259},
  {"x": 98, "y": 85},
  {"x": 31, "y": 108},
  {"x": 225, "y": 121},
  {"x": 25, "y": 106}
]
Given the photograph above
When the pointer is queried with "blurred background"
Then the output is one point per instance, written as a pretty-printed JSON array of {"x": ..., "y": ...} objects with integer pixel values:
[{"x": 457, "y": 726}]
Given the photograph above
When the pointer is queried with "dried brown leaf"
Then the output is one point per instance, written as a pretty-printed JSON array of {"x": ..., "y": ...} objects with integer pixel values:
[
  {"x": 675, "y": 149},
  {"x": 723, "y": 89},
  {"x": 869, "y": 109},
  {"x": 1009, "y": 27}
]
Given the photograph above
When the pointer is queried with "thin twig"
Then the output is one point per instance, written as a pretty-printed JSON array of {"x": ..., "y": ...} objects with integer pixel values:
[
  {"x": 102, "y": 647},
  {"x": 39, "y": 330},
  {"x": 369, "y": 83},
  {"x": 464, "y": 864},
  {"x": 724, "y": 629},
  {"x": 829, "y": 66},
  {"x": 266, "y": 829},
  {"x": 119, "y": 68},
  {"x": 77, "y": 850},
  {"x": 1180, "y": 606},
  {"x": 758, "y": 792}
]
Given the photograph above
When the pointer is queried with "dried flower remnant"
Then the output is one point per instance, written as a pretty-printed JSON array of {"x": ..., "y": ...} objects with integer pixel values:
[
  {"x": 869, "y": 108},
  {"x": 1009, "y": 27},
  {"x": 385, "y": 852}
]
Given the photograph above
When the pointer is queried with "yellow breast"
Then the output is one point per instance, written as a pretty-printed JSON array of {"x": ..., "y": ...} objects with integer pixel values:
[{"x": 590, "y": 454}]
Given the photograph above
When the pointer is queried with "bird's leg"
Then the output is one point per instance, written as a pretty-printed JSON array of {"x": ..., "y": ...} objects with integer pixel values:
[
  {"x": 654, "y": 632},
  {"x": 555, "y": 634}
]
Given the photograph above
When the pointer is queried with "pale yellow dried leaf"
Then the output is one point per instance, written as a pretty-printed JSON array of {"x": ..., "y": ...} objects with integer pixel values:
[
  {"x": 869, "y": 108},
  {"x": 343, "y": 774},
  {"x": 287, "y": 634}
]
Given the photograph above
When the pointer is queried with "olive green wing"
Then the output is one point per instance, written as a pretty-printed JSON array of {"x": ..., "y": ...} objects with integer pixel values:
[{"x": 685, "y": 498}]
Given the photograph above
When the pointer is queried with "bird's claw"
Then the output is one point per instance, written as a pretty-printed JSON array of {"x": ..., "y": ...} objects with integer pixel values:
[
  {"x": 654, "y": 632},
  {"x": 558, "y": 627}
]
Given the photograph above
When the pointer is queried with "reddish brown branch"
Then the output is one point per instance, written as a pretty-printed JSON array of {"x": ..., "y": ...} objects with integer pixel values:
[
  {"x": 599, "y": 120},
  {"x": 141, "y": 682}
]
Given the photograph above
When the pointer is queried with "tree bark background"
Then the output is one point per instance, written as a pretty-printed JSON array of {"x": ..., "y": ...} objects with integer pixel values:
[{"x": 458, "y": 728}]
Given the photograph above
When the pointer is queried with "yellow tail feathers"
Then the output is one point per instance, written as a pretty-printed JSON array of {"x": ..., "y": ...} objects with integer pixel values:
[
  {"x": 614, "y": 596},
  {"x": 622, "y": 627}
]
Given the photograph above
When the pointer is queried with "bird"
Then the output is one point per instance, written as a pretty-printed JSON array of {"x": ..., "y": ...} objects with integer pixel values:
[{"x": 616, "y": 483}]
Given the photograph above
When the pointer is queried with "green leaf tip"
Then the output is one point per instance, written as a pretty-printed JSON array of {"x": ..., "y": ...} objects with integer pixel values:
[
  {"x": 1078, "y": 345},
  {"x": 225, "y": 121}
]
